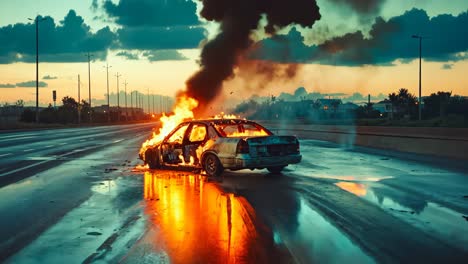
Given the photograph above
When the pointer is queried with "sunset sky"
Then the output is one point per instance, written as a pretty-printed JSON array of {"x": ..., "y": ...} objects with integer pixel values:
[{"x": 155, "y": 45}]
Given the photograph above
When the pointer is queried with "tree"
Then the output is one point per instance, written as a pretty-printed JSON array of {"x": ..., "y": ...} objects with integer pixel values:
[
  {"x": 68, "y": 112},
  {"x": 393, "y": 97},
  {"x": 437, "y": 103},
  {"x": 19, "y": 103}
]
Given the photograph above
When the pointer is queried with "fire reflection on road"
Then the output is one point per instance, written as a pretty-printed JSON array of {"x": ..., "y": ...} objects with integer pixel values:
[{"x": 198, "y": 222}]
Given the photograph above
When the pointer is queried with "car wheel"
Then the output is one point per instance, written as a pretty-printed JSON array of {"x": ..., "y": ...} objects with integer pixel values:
[
  {"x": 212, "y": 165},
  {"x": 275, "y": 169},
  {"x": 152, "y": 158}
]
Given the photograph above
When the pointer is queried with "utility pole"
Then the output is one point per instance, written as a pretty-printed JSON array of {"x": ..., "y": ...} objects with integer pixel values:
[
  {"x": 131, "y": 102},
  {"x": 420, "y": 70},
  {"x": 118, "y": 97},
  {"x": 153, "y": 104},
  {"x": 149, "y": 110},
  {"x": 79, "y": 100},
  {"x": 108, "y": 100},
  {"x": 89, "y": 86},
  {"x": 126, "y": 109},
  {"x": 36, "y": 21}
]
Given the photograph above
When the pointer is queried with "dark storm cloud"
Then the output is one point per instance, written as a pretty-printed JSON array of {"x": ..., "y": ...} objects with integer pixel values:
[
  {"x": 48, "y": 77},
  {"x": 447, "y": 37},
  {"x": 128, "y": 55},
  {"x": 152, "y": 38},
  {"x": 361, "y": 6},
  {"x": 31, "y": 84},
  {"x": 63, "y": 42},
  {"x": 164, "y": 55},
  {"x": 158, "y": 13},
  {"x": 7, "y": 85}
]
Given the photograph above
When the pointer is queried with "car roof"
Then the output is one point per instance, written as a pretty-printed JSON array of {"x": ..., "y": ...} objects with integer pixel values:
[{"x": 220, "y": 121}]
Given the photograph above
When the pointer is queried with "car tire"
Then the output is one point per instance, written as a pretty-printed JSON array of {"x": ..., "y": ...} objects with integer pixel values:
[
  {"x": 276, "y": 169},
  {"x": 212, "y": 165},
  {"x": 152, "y": 158}
]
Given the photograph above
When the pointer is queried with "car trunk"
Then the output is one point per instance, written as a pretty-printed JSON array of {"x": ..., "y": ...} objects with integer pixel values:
[{"x": 273, "y": 146}]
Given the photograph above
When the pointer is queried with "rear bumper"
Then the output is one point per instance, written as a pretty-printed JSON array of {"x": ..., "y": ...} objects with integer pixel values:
[{"x": 247, "y": 162}]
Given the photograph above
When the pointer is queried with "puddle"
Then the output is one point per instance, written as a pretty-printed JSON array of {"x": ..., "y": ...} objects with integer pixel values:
[
  {"x": 432, "y": 218},
  {"x": 347, "y": 177},
  {"x": 317, "y": 240},
  {"x": 104, "y": 187},
  {"x": 195, "y": 221}
]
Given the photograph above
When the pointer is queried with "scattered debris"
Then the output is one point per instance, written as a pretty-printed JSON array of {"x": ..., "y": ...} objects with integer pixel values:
[
  {"x": 465, "y": 196},
  {"x": 94, "y": 233},
  {"x": 466, "y": 217},
  {"x": 402, "y": 211}
]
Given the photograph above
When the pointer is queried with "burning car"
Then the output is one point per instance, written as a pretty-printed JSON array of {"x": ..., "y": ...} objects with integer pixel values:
[{"x": 214, "y": 145}]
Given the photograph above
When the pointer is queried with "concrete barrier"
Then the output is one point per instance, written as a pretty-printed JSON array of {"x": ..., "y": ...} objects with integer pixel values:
[{"x": 443, "y": 142}]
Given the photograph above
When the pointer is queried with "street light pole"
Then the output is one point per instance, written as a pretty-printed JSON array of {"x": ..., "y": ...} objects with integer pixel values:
[
  {"x": 89, "y": 87},
  {"x": 108, "y": 100},
  {"x": 126, "y": 109},
  {"x": 420, "y": 71},
  {"x": 36, "y": 21},
  {"x": 118, "y": 97}
]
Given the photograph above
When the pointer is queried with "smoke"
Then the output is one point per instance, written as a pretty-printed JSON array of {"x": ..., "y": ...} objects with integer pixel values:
[
  {"x": 361, "y": 6},
  {"x": 238, "y": 20}
]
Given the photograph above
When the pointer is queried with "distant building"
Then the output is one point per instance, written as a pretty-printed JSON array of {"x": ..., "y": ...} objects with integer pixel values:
[
  {"x": 384, "y": 106},
  {"x": 328, "y": 104}
]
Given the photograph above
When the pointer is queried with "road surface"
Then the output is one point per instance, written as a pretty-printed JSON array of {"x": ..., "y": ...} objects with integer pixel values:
[{"x": 80, "y": 196}]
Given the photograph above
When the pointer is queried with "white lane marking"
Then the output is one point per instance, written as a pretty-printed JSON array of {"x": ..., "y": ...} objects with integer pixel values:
[
  {"x": 24, "y": 135},
  {"x": 118, "y": 140},
  {"x": 45, "y": 161},
  {"x": 82, "y": 140},
  {"x": 27, "y": 150},
  {"x": 4, "y": 155},
  {"x": 17, "y": 138},
  {"x": 50, "y": 146},
  {"x": 61, "y": 144}
]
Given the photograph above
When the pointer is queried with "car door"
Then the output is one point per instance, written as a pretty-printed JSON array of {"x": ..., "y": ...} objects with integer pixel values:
[
  {"x": 172, "y": 146},
  {"x": 196, "y": 136}
]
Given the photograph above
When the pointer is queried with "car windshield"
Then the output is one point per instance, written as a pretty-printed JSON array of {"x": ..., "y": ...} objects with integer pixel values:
[{"x": 244, "y": 129}]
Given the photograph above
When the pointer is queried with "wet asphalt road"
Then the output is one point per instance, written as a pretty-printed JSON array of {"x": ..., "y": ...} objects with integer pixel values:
[{"x": 78, "y": 195}]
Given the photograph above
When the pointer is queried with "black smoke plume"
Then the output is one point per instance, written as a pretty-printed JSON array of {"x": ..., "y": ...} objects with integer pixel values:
[{"x": 238, "y": 20}]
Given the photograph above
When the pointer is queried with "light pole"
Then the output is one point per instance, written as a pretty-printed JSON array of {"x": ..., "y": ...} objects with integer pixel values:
[
  {"x": 108, "y": 100},
  {"x": 36, "y": 21},
  {"x": 126, "y": 109},
  {"x": 89, "y": 86},
  {"x": 118, "y": 96},
  {"x": 79, "y": 100},
  {"x": 420, "y": 69}
]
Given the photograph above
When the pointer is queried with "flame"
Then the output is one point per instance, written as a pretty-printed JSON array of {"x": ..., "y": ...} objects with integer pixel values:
[
  {"x": 183, "y": 110},
  {"x": 248, "y": 133}
]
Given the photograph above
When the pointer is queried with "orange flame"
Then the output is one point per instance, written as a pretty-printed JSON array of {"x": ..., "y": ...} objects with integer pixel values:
[{"x": 182, "y": 111}]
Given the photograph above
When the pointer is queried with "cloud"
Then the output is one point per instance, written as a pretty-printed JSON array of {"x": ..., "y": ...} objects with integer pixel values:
[
  {"x": 361, "y": 6},
  {"x": 63, "y": 42},
  {"x": 7, "y": 85},
  {"x": 447, "y": 66},
  {"x": 155, "y": 13},
  {"x": 48, "y": 77},
  {"x": 164, "y": 55},
  {"x": 128, "y": 55},
  {"x": 151, "y": 38},
  {"x": 31, "y": 84},
  {"x": 388, "y": 41}
]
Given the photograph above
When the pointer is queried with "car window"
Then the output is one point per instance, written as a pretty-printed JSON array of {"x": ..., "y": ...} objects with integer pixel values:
[
  {"x": 198, "y": 133},
  {"x": 242, "y": 130},
  {"x": 178, "y": 136}
]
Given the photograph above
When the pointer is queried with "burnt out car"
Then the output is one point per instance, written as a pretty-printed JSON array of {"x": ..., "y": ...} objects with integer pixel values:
[{"x": 217, "y": 144}]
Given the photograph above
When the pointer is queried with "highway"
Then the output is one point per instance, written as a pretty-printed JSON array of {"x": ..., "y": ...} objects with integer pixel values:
[{"x": 80, "y": 195}]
